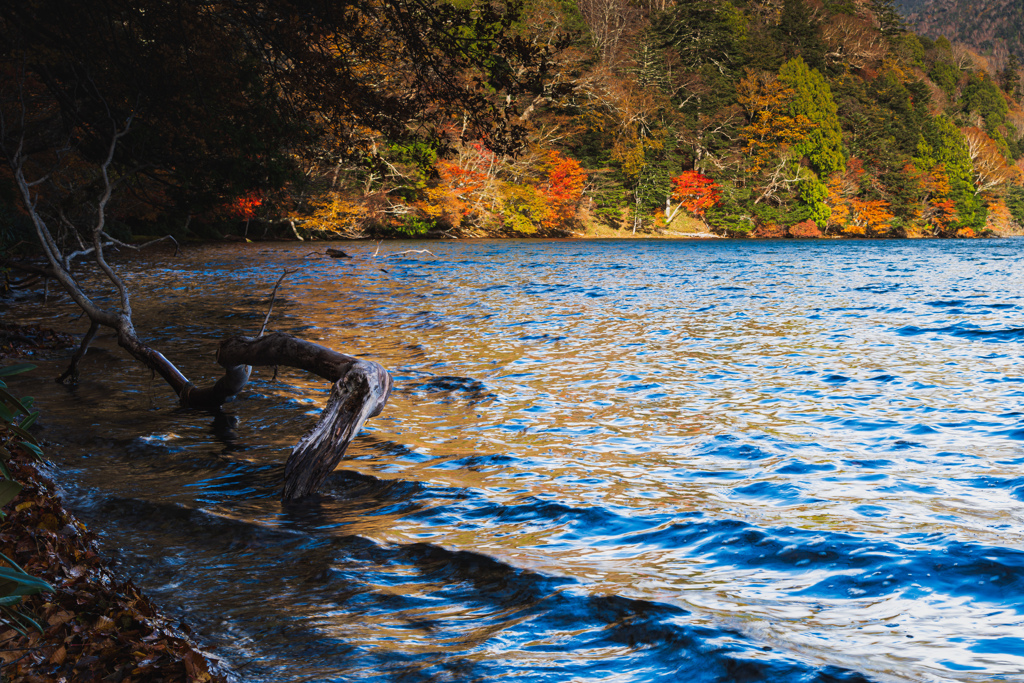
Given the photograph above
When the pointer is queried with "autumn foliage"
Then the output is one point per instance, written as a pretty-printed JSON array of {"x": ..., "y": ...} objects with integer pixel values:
[
  {"x": 769, "y": 231},
  {"x": 562, "y": 190},
  {"x": 483, "y": 192},
  {"x": 852, "y": 213},
  {"x": 473, "y": 192},
  {"x": 771, "y": 130},
  {"x": 246, "y": 205},
  {"x": 695, "y": 192},
  {"x": 457, "y": 196},
  {"x": 805, "y": 230},
  {"x": 92, "y": 627}
]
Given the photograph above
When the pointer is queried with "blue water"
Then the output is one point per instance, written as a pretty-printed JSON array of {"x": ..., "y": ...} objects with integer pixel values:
[{"x": 603, "y": 461}]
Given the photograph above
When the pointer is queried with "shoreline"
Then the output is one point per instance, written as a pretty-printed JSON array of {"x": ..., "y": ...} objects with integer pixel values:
[
  {"x": 588, "y": 234},
  {"x": 95, "y": 625}
]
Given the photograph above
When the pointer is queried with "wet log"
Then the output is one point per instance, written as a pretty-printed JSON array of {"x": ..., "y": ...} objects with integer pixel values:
[
  {"x": 356, "y": 396},
  {"x": 360, "y": 390}
]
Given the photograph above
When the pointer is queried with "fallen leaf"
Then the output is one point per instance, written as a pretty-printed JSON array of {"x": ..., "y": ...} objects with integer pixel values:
[
  {"x": 60, "y": 618},
  {"x": 195, "y": 666},
  {"x": 86, "y": 662},
  {"x": 49, "y": 522},
  {"x": 59, "y": 655}
]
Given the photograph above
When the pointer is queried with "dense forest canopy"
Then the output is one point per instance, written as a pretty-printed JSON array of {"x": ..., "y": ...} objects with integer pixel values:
[
  {"x": 408, "y": 117},
  {"x": 228, "y": 100},
  {"x": 993, "y": 27}
]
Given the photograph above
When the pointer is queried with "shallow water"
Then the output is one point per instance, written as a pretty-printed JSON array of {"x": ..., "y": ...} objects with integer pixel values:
[{"x": 603, "y": 461}]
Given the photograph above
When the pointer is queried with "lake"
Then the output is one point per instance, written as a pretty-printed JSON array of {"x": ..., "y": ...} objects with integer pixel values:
[{"x": 614, "y": 461}]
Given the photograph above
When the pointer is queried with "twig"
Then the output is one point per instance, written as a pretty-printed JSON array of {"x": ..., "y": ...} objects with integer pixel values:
[
  {"x": 138, "y": 247},
  {"x": 409, "y": 251},
  {"x": 273, "y": 295}
]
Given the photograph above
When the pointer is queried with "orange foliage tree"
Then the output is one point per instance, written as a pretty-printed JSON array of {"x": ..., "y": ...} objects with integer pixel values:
[
  {"x": 695, "y": 192},
  {"x": 547, "y": 198},
  {"x": 563, "y": 190},
  {"x": 771, "y": 131},
  {"x": 852, "y": 214},
  {"x": 937, "y": 209},
  {"x": 941, "y": 210},
  {"x": 456, "y": 195}
]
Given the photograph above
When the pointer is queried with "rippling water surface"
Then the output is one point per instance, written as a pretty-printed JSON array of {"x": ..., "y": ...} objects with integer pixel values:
[{"x": 603, "y": 461}]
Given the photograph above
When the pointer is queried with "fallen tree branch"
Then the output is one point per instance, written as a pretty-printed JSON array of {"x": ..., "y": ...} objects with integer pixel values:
[
  {"x": 140, "y": 247},
  {"x": 360, "y": 388},
  {"x": 83, "y": 347},
  {"x": 338, "y": 253},
  {"x": 81, "y": 252},
  {"x": 409, "y": 251}
]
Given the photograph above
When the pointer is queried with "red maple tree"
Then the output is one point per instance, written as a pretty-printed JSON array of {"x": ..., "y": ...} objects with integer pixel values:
[
  {"x": 563, "y": 190},
  {"x": 245, "y": 207},
  {"x": 695, "y": 192}
]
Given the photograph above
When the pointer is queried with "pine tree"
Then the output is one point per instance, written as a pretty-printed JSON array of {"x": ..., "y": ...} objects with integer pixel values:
[
  {"x": 703, "y": 32},
  {"x": 982, "y": 95},
  {"x": 889, "y": 20},
  {"x": 798, "y": 33}
]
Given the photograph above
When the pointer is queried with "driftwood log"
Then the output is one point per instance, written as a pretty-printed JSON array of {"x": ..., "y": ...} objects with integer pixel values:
[
  {"x": 359, "y": 391},
  {"x": 360, "y": 388}
]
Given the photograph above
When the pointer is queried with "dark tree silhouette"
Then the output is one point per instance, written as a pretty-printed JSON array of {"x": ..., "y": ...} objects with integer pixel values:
[{"x": 200, "y": 103}]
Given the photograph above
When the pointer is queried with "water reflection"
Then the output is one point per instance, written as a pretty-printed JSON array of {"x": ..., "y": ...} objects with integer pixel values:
[{"x": 629, "y": 461}]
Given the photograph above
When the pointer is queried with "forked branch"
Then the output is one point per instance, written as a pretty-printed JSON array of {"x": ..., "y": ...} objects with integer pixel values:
[{"x": 360, "y": 388}]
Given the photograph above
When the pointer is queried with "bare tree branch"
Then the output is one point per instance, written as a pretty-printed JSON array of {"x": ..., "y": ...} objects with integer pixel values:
[
  {"x": 361, "y": 388},
  {"x": 273, "y": 296}
]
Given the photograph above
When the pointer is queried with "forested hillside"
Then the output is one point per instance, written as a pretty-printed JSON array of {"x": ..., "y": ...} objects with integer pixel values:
[
  {"x": 992, "y": 27},
  {"x": 740, "y": 117},
  {"x": 754, "y": 117}
]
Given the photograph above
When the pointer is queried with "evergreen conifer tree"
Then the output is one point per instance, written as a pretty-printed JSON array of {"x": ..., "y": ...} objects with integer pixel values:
[
  {"x": 797, "y": 32},
  {"x": 1009, "y": 77},
  {"x": 812, "y": 98},
  {"x": 889, "y": 20}
]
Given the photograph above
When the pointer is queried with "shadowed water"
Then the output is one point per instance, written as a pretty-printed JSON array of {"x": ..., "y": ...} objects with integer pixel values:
[{"x": 603, "y": 461}]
